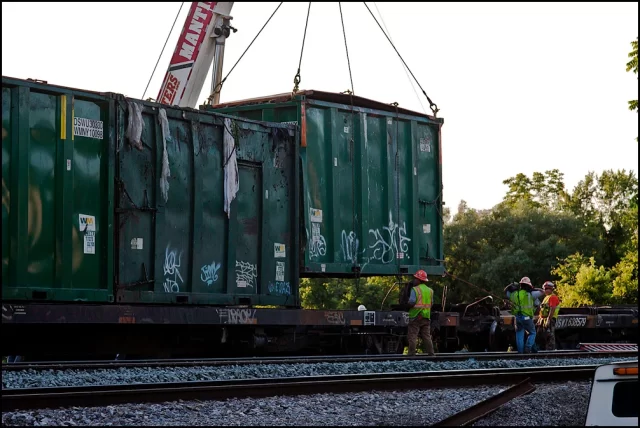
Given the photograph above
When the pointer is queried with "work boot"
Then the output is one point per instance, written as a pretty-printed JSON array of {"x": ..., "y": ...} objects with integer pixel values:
[{"x": 527, "y": 350}]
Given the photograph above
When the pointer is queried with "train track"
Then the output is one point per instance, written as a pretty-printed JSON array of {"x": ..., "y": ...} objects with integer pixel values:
[
  {"x": 102, "y": 395},
  {"x": 114, "y": 364}
]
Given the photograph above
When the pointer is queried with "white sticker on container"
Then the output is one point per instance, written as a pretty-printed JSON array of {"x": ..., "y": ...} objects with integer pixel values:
[
  {"x": 369, "y": 318},
  {"x": 316, "y": 215},
  {"x": 87, "y": 128},
  {"x": 425, "y": 145},
  {"x": 87, "y": 226},
  {"x": 346, "y": 129},
  {"x": 266, "y": 194},
  {"x": 335, "y": 161},
  {"x": 68, "y": 164},
  {"x": 415, "y": 171},
  {"x": 136, "y": 243},
  {"x": 389, "y": 121},
  {"x": 241, "y": 284},
  {"x": 279, "y": 251},
  {"x": 323, "y": 267},
  {"x": 279, "y": 271},
  {"x": 426, "y": 228},
  {"x": 400, "y": 255},
  {"x": 315, "y": 233}
]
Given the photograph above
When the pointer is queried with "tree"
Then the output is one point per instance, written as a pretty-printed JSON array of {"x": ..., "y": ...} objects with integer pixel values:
[
  {"x": 605, "y": 203},
  {"x": 583, "y": 283},
  {"x": 508, "y": 242},
  {"x": 632, "y": 65},
  {"x": 335, "y": 293},
  {"x": 542, "y": 190}
]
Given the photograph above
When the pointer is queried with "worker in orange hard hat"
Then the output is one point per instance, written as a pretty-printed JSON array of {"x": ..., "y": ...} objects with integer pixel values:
[{"x": 420, "y": 301}]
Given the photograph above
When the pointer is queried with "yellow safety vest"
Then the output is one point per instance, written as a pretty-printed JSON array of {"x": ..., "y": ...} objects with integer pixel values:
[
  {"x": 544, "y": 307},
  {"x": 522, "y": 303},
  {"x": 423, "y": 302}
]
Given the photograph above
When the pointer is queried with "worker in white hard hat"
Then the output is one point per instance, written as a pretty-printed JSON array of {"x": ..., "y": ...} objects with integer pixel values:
[
  {"x": 522, "y": 296},
  {"x": 549, "y": 310}
]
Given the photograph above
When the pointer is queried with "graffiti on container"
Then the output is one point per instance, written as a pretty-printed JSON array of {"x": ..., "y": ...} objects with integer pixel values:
[
  {"x": 237, "y": 316},
  {"x": 171, "y": 270},
  {"x": 391, "y": 243},
  {"x": 334, "y": 317},
  {"x": 405, "y": 317},
  {"x": 246, "y": 274},
  {"x": 350, "y": 246},
  {"x": 209, "y": 273},
  {"x": 388, "y": 319},
  {"x": 571, "y": 322},
  {"x": 318, "y": 245},
  {"x": 280, "y": 287}
]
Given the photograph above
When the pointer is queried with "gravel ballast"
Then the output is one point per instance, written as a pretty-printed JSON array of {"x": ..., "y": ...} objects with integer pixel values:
[
  {"x": 76, "y": 377},
  {"x": 551, "y": 404},
  {"x": 554, "y": 404}
]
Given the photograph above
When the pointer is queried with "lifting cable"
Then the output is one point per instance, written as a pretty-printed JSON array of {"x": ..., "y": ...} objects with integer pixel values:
[
  {"x": 432, "y": 105},
  {"x": 404, "y": 68},
  {"x": 162, "y": 51},
  {"x": 455, "y": 278},
  {"x": 354, "y": 254},
  {"x": 218, "y": 87},
  {"x": 296, "y": 79}
]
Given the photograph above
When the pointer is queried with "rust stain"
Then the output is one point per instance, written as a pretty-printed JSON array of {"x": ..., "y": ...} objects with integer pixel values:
[
  {"x": 127, "y": 320},
  {"x": 356, "y": 322},
  {"x": 508, "y": 320}
]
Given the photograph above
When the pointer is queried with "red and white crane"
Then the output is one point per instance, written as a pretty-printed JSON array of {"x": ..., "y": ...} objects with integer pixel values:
[{"x": 201, "y": 45}]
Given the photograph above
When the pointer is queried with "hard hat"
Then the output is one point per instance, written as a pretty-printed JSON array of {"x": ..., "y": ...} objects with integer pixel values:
[
  {"x": 526, "y": 280},
  {"x": 362, "y": 308},
  {"x": 421, "y": 275},
  {"x": 548, "y": 284}
]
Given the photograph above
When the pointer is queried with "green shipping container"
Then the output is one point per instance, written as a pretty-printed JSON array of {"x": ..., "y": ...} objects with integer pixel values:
[
  {"x": 85, "y": 218},
  {"x": 57, "y": 164},
  {"x": 184, "y": 248},
  {"x": 371, "y": 182}
]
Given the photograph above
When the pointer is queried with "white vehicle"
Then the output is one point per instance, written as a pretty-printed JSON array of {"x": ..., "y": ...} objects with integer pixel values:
[{"x": 614, "y": 395}]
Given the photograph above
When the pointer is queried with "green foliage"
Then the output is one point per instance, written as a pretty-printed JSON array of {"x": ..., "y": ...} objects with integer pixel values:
[
  {"x": 348, "y": 293},
  {"x": 583, "y": 283},
  {"x": 632, "y": 65},
  {"x": 625, "y": 282},
  {"x": 494, "y": 248},
  {"x": 542, "y": 190}
]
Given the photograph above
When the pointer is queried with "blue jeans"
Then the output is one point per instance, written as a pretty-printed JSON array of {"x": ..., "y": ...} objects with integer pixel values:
[{"x": 523, "y": 324}]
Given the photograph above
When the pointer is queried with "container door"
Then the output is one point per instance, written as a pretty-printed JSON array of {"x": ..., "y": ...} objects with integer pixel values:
[{"x": 248, "y": 216}]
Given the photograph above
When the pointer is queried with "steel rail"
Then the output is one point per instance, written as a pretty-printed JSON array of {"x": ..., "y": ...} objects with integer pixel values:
[
  {"x": 485, "y": 407},
  {"x": 191, "y": 362},
  {"x": 102, "y": 395}
]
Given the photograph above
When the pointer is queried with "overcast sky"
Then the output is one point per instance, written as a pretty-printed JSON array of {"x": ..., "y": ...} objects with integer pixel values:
[{"x": 521, "y": 87}]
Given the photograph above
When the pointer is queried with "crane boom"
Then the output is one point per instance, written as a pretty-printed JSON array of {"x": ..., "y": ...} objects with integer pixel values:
[{"x": 201, "y": 44}]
